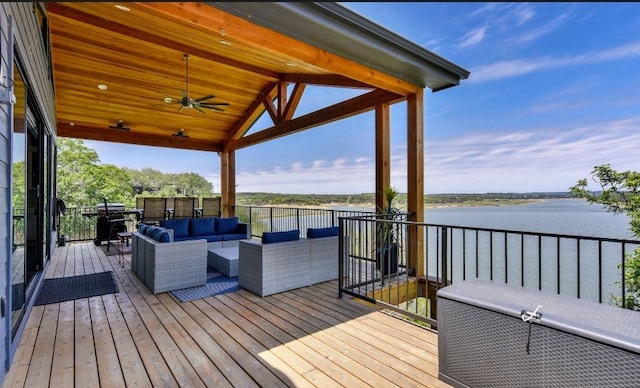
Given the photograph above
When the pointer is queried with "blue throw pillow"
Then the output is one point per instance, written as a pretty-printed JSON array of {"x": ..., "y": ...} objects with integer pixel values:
[
  {"x": 142, "y": 228},
  {"x": 149, "y": 231},
  {"x": 201, "y": 226},
  {"x": 322, "y": 232},
  {"x": 226, "y": 225},
  {"x": 164, "y": 237},
  {"x": 276, "y": 237},
  {"x": 180, "y": 226},
  {"x": 157, "y": 232}
]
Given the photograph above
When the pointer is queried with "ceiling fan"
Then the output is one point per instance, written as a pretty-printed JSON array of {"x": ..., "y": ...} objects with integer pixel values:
[
  {"x": 187, "y": 102},
  {"x": 120, "y": 126},
  {"x": 180, "y": 133}
]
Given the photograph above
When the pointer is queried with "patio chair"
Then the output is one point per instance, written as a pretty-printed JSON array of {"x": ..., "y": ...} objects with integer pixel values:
[
  {"x": 211, "y": 207},
  {"x": 111, "y": 222},
  {"x": 184, "y": 207},
  {"x": 154, "y": 210},
  {"x": 139, "y": 202}
]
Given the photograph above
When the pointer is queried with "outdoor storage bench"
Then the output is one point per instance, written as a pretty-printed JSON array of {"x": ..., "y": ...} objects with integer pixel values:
[
  {"x": 494, "y": 334},
  {"x": 211, "y": 229},
  {"x": 170, "y": 265}
]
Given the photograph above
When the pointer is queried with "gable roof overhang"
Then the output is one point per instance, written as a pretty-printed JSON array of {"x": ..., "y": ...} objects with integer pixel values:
[{"x": 244, "y": 53}]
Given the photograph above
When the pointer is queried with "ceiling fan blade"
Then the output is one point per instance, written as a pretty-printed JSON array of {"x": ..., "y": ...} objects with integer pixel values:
[
  {"x": 208, "y": 96},
  {"x": 183, "y": 93},
  {"x": 198, "y": 109}
]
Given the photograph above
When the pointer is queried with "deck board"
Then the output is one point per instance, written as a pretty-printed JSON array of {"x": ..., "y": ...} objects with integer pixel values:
[{"x": 302, "y": 338}]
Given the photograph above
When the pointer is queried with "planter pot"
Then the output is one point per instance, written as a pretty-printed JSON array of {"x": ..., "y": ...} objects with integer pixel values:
[{"x": 387, "y": 259}]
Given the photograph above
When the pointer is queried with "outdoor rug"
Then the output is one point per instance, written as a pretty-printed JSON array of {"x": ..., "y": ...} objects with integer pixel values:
[
  {"x": 217, "y": 284},
  {"x": 76, "y": 287}
]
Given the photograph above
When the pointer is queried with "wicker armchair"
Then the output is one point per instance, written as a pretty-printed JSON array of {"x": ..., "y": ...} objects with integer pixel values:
[{"x": 169, "y": 266}]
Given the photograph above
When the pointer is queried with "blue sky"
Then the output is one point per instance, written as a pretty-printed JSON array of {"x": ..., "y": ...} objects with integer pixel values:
[{"x": 554, "y": 90}]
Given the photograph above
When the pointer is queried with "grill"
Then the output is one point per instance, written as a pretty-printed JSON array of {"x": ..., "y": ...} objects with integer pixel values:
[{"x": 116, "y": 210}]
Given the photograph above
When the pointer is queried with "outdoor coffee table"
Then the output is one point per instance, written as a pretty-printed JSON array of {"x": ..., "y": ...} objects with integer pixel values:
[{"x": 224, "y": 260}]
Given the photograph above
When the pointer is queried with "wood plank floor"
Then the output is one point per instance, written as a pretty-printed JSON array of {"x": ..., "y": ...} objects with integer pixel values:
[{"x": 302, "y": 338}]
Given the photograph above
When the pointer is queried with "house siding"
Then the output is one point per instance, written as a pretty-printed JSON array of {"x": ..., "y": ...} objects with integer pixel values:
[{"x": 28, "y": 46}]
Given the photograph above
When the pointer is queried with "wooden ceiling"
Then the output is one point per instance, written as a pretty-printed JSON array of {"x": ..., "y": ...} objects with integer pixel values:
[{"x": 139, "y": 54}]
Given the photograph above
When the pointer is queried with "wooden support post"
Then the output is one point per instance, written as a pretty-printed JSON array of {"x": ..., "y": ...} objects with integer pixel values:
[
  {"x": 415, "y": 180},
  {"x": 228, "y": 182},
  {"x": 383, "y": 152}
]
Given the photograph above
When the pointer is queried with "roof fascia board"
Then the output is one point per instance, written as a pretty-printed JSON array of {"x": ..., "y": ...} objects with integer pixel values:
[{"x": 336, "y": 29}]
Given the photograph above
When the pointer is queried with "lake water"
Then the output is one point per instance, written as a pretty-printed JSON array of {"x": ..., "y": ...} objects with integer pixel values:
[
  {"x": 572, "y": 266},
  {"x": 558, "y": 216}
]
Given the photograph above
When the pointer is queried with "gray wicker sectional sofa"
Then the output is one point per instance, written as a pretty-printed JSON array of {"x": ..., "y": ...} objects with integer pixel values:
[
  {"x": 168, "y": 266},
  {"x": 284, "y": 263}
]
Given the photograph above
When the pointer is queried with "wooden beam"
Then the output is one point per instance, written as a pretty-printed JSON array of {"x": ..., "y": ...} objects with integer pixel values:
[
  {"x": 252, "y": 114},
  {"x": 294, "y": 100},
  {"x": 130, "y": 137},
  {"x": 329, "y": 114},
  {"x": 325, "y": 80},
  {"x": 282, "y": 100},
  {"x": 415, "y": 180},
  {"x": 383, "y": 153}
]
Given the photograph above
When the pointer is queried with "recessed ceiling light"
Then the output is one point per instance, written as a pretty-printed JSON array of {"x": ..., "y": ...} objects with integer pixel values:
[
  {"x": 122, "y": 8},
  {"x": 291, "y": 64},
  {"x": 225, "y": 42},
  {"x": 102, "y": 87},
  {"x": 72, "y": 124}
]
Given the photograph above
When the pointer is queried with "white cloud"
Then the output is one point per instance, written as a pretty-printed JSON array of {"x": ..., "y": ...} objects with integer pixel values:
[
  {"x": 508, "y": 69},
  {"x": 539, "y": 159},
  {"x": 474, "y": 37}
]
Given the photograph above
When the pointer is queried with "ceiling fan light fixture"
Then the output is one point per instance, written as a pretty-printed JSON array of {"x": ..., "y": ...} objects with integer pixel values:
[{"x": 188, "y": 102}]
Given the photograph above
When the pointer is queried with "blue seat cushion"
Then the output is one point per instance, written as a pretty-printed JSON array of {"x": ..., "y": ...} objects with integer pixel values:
[
  {"x": 276, "y": 237},
  {"x": 227, "y": 225},
  {"x": 322, "y": 232},
  {"x": 183, "y": 238},
  {"x": 233, "y": 236},
  {"x": 201, "y": 227},
  {"x": 180, "y": 226},
  {"x": 209, "y": 237},
  {"x": 142, "y": 228}
]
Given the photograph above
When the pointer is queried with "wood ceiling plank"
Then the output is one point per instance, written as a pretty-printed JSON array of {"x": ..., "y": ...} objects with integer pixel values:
[
  {"x": 279, "y": 45},
  {"x": 126, "y": 30}
]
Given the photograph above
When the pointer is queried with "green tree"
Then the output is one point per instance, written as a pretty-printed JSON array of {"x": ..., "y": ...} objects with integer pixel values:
[
  {"x": 618, "y": 192},
  {"x": 18, "y": 185},
  {"x": 83, "y": 181}
]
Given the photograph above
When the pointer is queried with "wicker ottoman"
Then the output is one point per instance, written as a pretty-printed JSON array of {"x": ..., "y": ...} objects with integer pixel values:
[{"x": 225, "y": 260}]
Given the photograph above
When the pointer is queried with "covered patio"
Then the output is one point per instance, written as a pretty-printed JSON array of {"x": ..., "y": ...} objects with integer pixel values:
[
  {"x": 197, "y": 76},
  {"x": 306, "y": 337}
]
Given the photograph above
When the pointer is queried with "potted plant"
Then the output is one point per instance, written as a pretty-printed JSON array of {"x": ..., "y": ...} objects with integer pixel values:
[{"x": 387, "y": 244}]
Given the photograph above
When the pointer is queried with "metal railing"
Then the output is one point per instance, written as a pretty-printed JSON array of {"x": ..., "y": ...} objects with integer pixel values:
[
  {"x": 276, "y": 219},
  {"x": 79, "y": 223},
  {"x": 580, "y": 266}
]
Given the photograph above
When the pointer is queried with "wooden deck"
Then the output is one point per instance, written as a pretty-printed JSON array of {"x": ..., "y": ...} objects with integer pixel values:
[{"x": 305, "y": 337}]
